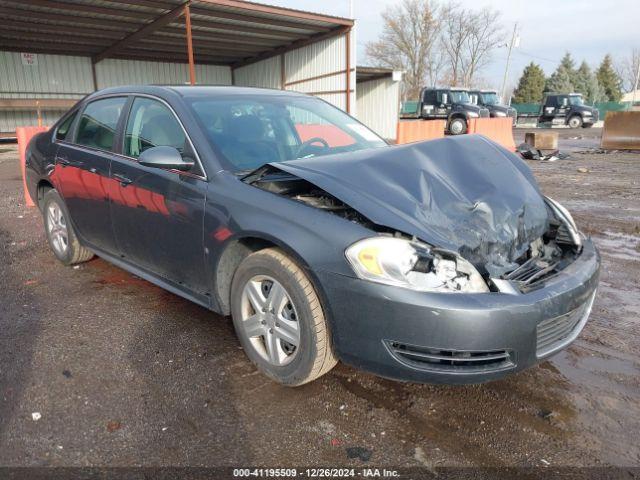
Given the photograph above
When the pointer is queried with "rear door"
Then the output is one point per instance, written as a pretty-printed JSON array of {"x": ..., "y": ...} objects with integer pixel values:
[
  {"x": 158, "y": 214},
  {"x": 83, "y": 161}
]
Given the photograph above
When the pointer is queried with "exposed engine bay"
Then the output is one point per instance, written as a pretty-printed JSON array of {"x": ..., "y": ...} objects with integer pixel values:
[{"x": 274, "y": 180}]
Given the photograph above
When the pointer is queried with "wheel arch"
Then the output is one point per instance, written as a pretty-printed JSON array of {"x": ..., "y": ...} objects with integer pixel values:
[
  {"x": 236, "y": 250},
  {"x": 42, "y": 187}
]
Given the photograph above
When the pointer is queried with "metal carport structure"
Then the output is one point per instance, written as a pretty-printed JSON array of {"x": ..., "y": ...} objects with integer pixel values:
[{"x": 251, "y": 44}]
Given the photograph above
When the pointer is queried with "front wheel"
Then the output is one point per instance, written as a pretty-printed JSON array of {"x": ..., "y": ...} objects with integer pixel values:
[
  {"x": 60, "y": 234},
  {"x": 575, "y": 121},
  {"x": 279, "y": 320},
  {"x": 458, "y": 126}
]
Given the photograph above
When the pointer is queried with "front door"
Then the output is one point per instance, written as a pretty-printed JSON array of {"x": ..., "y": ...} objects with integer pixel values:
[
  {"x": 563, "y": 107},
  {"x": 158, "y": 214},
  {"x": 82, "y": 167}
]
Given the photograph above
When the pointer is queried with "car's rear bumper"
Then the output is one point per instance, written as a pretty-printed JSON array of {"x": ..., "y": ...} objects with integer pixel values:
[{"x": 457, "y": 338}]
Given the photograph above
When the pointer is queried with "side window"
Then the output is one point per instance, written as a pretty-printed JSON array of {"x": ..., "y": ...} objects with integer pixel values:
[
  {"x": 429, "y": 97},
  {"x": 98, "y": 123},
  {"x": 63, "y": 129},
  {"x": 152, "y": 124}
]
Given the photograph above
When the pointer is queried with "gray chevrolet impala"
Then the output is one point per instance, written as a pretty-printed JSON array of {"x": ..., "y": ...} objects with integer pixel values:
[{"x": 438, "y": 261}]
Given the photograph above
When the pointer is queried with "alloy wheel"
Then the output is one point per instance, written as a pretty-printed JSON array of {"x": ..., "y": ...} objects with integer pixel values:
[
  {"x": 270, "y": 320},
  {"x": 57, "y": 227}
]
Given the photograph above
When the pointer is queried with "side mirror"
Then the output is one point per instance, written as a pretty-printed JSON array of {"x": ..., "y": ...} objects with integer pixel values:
[{"x": 165, "y": 157}]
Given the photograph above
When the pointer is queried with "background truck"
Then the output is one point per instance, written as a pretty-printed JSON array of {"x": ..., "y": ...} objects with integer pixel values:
[
  {"x": 565, "y": 109},
  {"x": 450, "y": 104},
  {"x": 490, "y": 100}
]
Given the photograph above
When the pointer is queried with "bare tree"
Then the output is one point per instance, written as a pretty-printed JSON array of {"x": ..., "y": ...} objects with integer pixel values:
[
  {"x": 433, "y": 43},
  {"x": 408, "y": 42},
  {"x": 628, "y": 70},
  {"x": 468, "y": 37},
  {"x": 484, "y": 34},
  {"x": 454, "y": 38}
]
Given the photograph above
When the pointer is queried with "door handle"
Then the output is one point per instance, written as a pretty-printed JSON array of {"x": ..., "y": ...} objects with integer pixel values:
[{"x": 124, "y": 181}]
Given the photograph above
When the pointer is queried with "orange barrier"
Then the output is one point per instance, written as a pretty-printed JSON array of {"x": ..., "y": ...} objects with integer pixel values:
[
  {"x": 418, "y": 130},
  {"x": 329, "y": 133},
  {"x": 621, "y": 131},
  {"x": 500, "y": 130},
  {"x": 24, "y": 136}
]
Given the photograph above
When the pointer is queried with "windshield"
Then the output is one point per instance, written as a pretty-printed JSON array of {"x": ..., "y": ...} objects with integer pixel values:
[
  {"x": 576, "y": 100},
  {"x": 490, "y": 98},
  {"x": 460, "y": 97},
  {"x": 251, "y": 130}
]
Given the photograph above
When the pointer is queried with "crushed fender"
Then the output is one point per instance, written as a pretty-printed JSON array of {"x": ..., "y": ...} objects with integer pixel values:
[{"x": 465, "y": 194}]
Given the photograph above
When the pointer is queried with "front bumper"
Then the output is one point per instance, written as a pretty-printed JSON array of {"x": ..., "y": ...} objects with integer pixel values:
[{"x": 457, "y": 338}]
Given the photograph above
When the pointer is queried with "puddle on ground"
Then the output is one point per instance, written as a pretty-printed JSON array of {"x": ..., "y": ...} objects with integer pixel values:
[{"x": 586, "y": 368}]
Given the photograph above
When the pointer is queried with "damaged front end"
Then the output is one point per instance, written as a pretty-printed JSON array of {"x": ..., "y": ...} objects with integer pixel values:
[
  {"x": 547, "y": 256},
  {"x": 454, "y": 215}
]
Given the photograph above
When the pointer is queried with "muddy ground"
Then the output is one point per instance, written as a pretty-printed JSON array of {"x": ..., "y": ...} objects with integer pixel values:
[{"x": 123, "y": 373}]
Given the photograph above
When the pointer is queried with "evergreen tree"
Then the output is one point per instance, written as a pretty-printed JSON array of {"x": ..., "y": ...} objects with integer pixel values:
[
  {"x": 609, "y": 80},
  {"x": 586, "y": 83},
  {"x": 582, "y": 79},
  {"x": 560, "y": 81},
  {"x": 570, "y": 66},
  {"x": 530, "y": 86}
]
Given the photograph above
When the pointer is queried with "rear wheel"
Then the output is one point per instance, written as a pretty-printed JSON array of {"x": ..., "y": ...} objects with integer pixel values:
[
  {"x": 279, "y": 320},
  {"x": 575, "y": 121},
  {"x": 60, "y": 234},
  {"x": 458, "y": 126},
  {"x": 587, "y": 125}
]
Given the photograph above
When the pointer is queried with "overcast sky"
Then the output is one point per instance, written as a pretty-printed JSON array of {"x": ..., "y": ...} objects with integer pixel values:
[{"x": 587, "y": 28}]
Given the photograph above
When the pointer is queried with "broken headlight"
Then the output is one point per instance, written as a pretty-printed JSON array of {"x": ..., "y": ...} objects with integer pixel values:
[
  {"x": 408, "y": 264},
  {"x": 563, "y": 215}
]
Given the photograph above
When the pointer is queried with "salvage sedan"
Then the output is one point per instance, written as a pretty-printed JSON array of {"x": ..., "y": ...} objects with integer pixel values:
[{"x": 438, "y": 261}]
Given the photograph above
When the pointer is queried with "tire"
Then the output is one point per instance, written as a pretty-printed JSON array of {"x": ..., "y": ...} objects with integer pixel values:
[
  {"x": 260, "y": 278},
  {"x": 60, "y": 234},
  {"x": 587, "y": 125},
  {"x": 458, "y": 126},
  {"x": 575, "y": 121}
]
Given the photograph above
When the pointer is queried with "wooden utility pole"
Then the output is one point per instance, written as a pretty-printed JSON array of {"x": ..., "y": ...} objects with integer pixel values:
[{"x": 506, "y": 68}]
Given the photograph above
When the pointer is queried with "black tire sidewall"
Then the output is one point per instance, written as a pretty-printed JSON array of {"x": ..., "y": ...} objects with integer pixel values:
[
  {"x": 300, "y": 367},
  {"x": 50, "y": 197}
]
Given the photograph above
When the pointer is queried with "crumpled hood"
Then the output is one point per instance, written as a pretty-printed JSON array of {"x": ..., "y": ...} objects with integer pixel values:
[{"x": 465, "y": 194}]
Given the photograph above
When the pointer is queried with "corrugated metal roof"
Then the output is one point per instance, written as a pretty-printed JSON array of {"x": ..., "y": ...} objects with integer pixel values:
[{"x": 229, "y": 32}]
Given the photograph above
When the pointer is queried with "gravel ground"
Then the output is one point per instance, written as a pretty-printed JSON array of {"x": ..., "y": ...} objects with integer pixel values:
[{"x": 123, "y": 373}]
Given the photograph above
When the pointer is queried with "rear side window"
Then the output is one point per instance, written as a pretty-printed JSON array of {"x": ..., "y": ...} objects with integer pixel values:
[
  {"x": 63, "y": 129},
  {"x": 152, "y": 124},
  {"x": 97, "y": 128}
]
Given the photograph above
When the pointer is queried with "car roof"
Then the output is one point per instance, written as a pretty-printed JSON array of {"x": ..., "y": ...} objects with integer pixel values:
[{"x": 209, "y": 91}]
